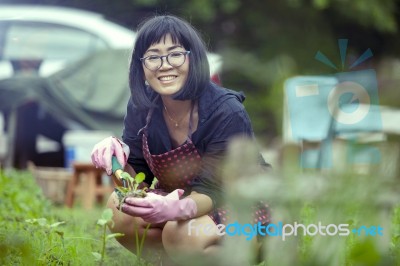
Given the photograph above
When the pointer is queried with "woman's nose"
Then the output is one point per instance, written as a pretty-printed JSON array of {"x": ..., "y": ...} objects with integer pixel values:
[{"x": 164, "y": 63}]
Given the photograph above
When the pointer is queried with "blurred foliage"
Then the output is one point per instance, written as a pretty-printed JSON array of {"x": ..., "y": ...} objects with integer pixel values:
[
  {"x": 264, "y": 42},
  {"x": 355, "y": 196},
  {"x": 12, "y": 201}
]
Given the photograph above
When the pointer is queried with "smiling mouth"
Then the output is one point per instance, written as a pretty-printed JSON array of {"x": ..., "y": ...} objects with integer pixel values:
[{"x": 167, "y": 78}]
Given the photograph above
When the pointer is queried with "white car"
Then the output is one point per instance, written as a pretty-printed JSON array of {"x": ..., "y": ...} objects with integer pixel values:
[{"x": 43, "y": 39}]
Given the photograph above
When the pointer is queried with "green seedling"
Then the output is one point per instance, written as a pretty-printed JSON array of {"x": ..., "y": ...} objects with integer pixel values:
[
  {"x": 130, "y": 185},
  {"x": 106, "y": 218},
  {"x": 132, "y": 188}
]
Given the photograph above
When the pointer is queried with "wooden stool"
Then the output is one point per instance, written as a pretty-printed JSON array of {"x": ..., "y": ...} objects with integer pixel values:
[{"x": 91, "y": 190}]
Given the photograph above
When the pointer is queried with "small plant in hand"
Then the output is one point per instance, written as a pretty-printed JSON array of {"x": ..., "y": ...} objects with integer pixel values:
[{"x": 131, "y": 185}]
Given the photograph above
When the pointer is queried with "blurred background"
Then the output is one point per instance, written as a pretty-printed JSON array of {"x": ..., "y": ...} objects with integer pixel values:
[{"x": 255, "y": 46}]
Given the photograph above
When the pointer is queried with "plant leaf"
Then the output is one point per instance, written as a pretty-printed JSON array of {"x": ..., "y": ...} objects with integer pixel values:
[
  {"x": 102, "y": 222},
  {"x": 57, "y": 224},
  {"x": 97, "y": 256},
  {"x": 114, "y": 235},
  {"x": 107, "y": 214},
  {"x": 42, "y": 221},
  {"x": 139, "y": 178},
  {"x": 154, "y": 183},
  {"x": 127, "y": 176},
  {"x": 39, "y": 221},
  {"x": 123, "y": 190}
]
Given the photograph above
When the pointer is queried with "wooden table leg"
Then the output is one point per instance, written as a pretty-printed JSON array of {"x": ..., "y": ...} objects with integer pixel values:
[{"x": 69, "y": 199}]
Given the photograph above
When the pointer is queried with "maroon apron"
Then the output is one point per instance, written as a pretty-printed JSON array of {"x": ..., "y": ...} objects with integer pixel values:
[{"x": 176, "y": 169}]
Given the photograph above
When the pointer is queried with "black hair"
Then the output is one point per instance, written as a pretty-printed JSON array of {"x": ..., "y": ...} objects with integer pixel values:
[{"x": 153, "y": 31}]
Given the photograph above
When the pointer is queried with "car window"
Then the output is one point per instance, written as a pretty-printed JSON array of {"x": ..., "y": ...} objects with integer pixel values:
[{"x": 46, "y": 41}]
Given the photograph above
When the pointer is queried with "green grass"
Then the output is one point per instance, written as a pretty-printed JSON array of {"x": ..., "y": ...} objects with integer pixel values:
[{"x": 71, "y": 243}]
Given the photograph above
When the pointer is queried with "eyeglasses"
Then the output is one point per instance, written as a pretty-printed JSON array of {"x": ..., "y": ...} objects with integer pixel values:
[{"x": 154, "y": 62}]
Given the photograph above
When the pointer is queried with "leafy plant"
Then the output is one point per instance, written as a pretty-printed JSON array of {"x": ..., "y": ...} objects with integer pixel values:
[
  {"x": 106, "y": 218},
  {"x": 131, "y": 186}
]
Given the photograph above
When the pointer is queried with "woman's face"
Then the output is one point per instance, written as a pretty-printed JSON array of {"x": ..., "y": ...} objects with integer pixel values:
[{"x": 167, "y": 80}]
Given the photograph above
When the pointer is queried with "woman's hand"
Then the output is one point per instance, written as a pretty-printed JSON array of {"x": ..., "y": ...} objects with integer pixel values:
[
  {"x": 155, "y": 208},
  {"x": 104, "y": 150}
]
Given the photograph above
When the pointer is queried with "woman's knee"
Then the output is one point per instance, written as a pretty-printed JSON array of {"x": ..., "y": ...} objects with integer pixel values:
[
  {"x": 171, "y": 234},
  {"x": 180, "y": 237}
]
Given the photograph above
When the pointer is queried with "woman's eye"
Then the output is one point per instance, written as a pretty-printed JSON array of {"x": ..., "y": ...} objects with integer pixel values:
[
  {"x": 153, "y": 57},
  {"x": 176, "y": 54}
]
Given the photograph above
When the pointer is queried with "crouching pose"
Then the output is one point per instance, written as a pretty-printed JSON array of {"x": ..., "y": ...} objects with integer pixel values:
[{"x": 177, "y": 128}]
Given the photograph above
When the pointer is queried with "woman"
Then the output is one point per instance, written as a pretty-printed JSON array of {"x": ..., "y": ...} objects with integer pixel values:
[{"x": 177, "y": 128}]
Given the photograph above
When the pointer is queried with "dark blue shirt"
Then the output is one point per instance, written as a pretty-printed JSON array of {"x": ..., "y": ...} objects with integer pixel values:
[{"x": 222, "y": 116}]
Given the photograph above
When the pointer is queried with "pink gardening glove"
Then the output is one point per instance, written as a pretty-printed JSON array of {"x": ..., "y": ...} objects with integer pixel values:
[
  {"x": 155, "y": 208},
  {"x": 104, "y": 150}
]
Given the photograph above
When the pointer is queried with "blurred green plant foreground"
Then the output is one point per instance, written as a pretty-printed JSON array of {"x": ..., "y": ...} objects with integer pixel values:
[
  {"x": 35, "y": 232},
  {"x": 295, "y": 195}
]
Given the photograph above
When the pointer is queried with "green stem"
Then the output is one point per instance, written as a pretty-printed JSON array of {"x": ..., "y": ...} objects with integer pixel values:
[
  {"x": 62, "y": 240},
  {"x": 85, "y": 238},
  {"x": 139, "y": 247},
  {"x": 144, "y": 237},
  {"x": 138, "y": 251},
  {"x": 104, "y": 245},
  {"x": 49, "y": 237}
]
